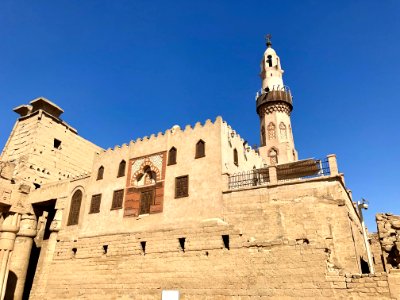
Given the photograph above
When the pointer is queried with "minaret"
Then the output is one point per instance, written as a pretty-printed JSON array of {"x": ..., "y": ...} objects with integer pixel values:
[{"x": 274, "y": 105}]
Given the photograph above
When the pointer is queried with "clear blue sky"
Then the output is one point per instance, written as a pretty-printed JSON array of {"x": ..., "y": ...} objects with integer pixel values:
[{"x": 126, "y": 69}]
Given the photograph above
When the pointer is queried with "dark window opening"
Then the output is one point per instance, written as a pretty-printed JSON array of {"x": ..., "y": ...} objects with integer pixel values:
[
  {"x": 269, "y": 60},
  {"x": 182, "y": 186},
  {"x": 75, "y": 207},
  {"x": 105, "y": 249},
  {"x": 172, "y": 156},
  {"x": 182, "y": 241},
  {"x": 95, "y": 204},
  {"x": 100, "y": 173},
  {"x": 206, "y": 253},
  {"x": 37, "y": 185},
  {"x": 143, "y": 245},
  {"x": 118, "y": 198},
  {"x": 225, "y": 239},
  {"x": 57, "y": 144},
  {"x": 235, "y": 157},
  {"x": 121, "y": 169},
  {"x": 200, "y": 149},
  {"x": 74, "y": 250}
]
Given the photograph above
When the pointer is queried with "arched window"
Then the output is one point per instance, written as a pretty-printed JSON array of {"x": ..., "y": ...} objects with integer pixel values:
[
  {"x": 263, "y": 141},
  {"x": 235, "y": 157},
  {"x": 269, "y": 60},
  {"x": 200, "y": 149},
  {"x": 100, "y": 173},
  {"x": 271, "y": 131},
  {"x": 282, "y": 130},
  {"x": 273, "y": 156},
  {"x": 172, "y": 156},
  {"x": 75, "y": 208},
  {"x": 121, "y": 169}
]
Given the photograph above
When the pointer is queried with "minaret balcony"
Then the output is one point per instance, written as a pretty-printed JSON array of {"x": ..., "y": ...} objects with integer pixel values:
[{"x": 276, "y": 95}]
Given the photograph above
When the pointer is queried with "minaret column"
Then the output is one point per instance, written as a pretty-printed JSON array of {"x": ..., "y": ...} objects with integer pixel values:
[{"x": 274, "y": 105}]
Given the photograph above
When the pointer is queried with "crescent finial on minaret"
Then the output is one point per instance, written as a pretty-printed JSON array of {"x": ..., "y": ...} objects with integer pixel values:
[{"x": 268, "y": 40}]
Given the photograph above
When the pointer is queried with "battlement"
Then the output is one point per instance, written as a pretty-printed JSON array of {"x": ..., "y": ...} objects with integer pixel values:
[{"x": 161, "y": 137}]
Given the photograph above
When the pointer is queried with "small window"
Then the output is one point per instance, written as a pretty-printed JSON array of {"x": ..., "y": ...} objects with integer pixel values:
[
  {"x": 235, "y": 157},
  {"x": 121, "y": 169},
  {"x": 182, "y": 186},
  {"x": 269, "y": 61},
  {"x": 95, "y": 204},
  {"x": 263, "y": 140},
  {"x": 75, "y": 208},
  {"x": 100, "y": 173},
  {"x": 57, "y": 144},
  {"x": 172, "y": 156},
  {"x": 200, "y": 149},
  {"x": 118, "y": 198}
]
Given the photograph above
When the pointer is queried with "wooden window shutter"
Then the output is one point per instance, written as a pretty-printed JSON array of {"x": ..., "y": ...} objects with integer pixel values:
[
  {"x": 75, "y": 208},
  {"x": 172, "y": 156},
  {"x": 121, "y": 169},
  {"x": 200, "y": 149},
  {"x": 118, "y": 198},
  {"x": 182, "y": 186},
  {"x": 95, "y": 204},
  {"x": 100, "y": 173}
]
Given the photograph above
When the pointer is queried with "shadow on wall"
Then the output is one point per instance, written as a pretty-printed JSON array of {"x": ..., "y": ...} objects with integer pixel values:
[{"x": 11, "y": 285}]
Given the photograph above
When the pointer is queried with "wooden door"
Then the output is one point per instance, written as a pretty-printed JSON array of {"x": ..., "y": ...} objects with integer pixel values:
[{"x": 146, "y": 199}]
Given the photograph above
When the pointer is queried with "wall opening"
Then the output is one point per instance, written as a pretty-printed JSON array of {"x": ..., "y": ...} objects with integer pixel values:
[
  {"x": 225, "y": 239},
  {"x": 394, "y": 257},
  {"x": 364, "y": 266},
  {"x": 182, "y": 241},
  {"x": 57, "y": 144},
  {"x": 105, "y": 249},
  {"x": 143, "y": 245},
  {"x": 74, "y": 250}
]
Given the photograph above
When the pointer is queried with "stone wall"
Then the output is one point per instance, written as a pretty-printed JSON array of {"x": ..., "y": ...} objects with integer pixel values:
[
  {"x": 317, "y": 211},
  {"x": 119, "y": 267},
  {"x": 389, "y": 236},
  {"x": 31, "y": 146}
]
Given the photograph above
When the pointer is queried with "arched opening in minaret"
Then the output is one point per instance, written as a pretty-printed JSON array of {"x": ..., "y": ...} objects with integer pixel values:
[
  {"x": 273, "y": 156},
  {"x": 263, "y": 140},
  {"x": 269, "y": 60},
  {"x": 271, "y": 131}
]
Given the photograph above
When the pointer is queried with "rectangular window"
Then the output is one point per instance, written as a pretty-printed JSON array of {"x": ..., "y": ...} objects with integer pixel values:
[
  {"x": 95, "y": 204},
  {"x": 182, "y": 186},
  {"x": 118, "y": 198}
]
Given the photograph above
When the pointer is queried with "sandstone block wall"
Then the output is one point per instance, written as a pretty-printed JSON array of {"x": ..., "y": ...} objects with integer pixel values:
[
  {"x": 31, "y": 147},
  {"x": 205, "y": 269},
  {"x": 317, "y": 211},
  {"x": 389, "y": 236}
]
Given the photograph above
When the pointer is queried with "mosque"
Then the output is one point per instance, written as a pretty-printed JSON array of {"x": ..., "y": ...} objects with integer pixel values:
[{"x": 189, "y": 213}]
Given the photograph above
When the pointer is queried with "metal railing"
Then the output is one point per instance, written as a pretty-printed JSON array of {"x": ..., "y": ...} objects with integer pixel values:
[
  {"x": 251, "y": 178},
  {"x": 304, "y": 169}
]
